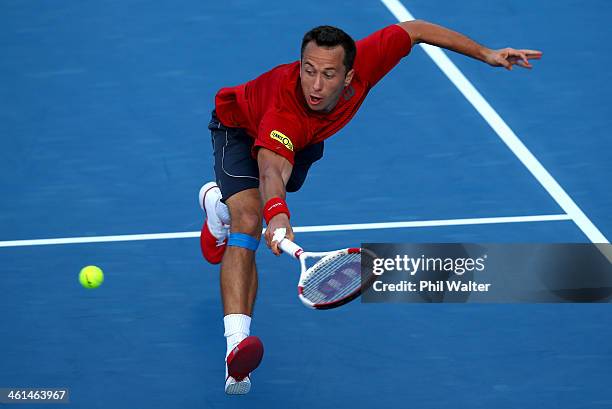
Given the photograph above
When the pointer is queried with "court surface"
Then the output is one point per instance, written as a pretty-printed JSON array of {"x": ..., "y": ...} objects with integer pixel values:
[{"x": 103, "y": 114}]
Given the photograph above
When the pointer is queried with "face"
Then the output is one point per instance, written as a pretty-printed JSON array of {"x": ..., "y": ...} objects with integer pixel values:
[{"x": 323, "y": 76}]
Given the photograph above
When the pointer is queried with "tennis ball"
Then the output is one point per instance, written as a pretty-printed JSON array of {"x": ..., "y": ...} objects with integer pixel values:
[{"x": 91, "y": 277}]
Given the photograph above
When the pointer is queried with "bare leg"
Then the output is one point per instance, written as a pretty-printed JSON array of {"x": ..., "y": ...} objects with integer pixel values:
[{"x": 238, "y": 271}]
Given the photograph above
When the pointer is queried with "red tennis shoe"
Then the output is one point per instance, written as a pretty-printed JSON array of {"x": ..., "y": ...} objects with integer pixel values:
[
  {"x": 213, "y": 238},
  {"x": 241, "y": 361}
]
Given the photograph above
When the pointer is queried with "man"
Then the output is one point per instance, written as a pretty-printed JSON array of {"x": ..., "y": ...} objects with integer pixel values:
[{"x": 268, "y": 132}]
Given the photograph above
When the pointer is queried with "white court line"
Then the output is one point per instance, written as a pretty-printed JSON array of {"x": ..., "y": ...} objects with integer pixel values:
[
  {"x": 503, "y": 130},
  {"x": 304, "y": 229}
]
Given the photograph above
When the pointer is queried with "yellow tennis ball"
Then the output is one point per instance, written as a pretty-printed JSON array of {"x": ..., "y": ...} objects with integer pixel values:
[{"x": 91, "y": 277}]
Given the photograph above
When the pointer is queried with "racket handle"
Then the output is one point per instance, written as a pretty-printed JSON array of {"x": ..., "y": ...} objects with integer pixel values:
[
  {"x": 289, "y": 247},
  {"x": 286, "y": 245}
]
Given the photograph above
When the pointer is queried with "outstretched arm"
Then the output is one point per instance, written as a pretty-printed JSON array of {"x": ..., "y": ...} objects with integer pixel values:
[
  {"x": 424, "y": 32},
  {"x": 274, "y": 172}
]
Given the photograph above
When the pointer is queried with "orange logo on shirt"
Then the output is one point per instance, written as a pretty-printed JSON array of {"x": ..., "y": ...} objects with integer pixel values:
[{"x": 278, "y": 136}]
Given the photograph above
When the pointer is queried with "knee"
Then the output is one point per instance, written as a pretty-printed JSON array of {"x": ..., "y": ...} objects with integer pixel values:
[{"x": 247, "y": 220}]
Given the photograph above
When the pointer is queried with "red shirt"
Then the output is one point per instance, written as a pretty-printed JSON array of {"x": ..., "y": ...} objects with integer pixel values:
[{"x": 273, "y": 110}]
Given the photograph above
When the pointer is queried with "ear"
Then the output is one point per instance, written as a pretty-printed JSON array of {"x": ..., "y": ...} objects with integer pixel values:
[{"x": 349, "y": 77}]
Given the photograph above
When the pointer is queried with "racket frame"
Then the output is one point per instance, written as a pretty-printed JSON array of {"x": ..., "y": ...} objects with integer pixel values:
[{"x": 297, "y": 252}]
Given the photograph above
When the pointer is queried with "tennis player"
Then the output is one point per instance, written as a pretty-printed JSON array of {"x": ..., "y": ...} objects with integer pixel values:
[{"x": 268, "y": 132}]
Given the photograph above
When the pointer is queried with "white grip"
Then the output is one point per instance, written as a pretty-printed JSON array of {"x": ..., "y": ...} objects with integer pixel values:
[
  {"x": 289, "y": 247},
  {"x": 286, "y": 245}
]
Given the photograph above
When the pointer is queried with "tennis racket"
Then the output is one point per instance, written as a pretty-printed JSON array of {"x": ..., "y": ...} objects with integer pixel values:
[{"x": 333, "y": 280}]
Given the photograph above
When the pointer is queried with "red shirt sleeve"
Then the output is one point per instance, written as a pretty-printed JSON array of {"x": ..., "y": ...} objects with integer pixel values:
[
  {"x": 281, "y": 133},
  {"x": 379, "y": 52}
]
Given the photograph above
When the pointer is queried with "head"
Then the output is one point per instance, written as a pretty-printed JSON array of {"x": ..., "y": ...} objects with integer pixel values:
[{"x": 328, "y": 54}]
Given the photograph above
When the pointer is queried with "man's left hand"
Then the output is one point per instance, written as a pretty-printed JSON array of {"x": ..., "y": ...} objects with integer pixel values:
[{"x": 508, "y": 57}]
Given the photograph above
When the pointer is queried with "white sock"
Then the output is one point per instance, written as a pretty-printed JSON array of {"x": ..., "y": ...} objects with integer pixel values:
[
  {"x": 237, "y": 328},
  {"x": 223, "y": 212}
]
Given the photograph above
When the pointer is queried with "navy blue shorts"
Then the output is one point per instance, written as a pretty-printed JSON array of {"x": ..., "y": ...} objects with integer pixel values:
[{"x": 235, "y": 168}]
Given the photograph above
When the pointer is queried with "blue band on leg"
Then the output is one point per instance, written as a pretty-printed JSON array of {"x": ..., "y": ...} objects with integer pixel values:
[{"x": 243, "y": 240}]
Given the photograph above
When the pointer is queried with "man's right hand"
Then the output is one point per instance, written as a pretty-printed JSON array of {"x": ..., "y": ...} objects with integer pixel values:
[{"x": 279, "y": 221}]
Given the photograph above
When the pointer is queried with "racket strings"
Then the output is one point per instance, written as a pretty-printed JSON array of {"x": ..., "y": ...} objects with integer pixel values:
[{"x": 333, "y": 279}]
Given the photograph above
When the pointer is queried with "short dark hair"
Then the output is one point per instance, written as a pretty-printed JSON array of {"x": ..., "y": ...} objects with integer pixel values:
[{"x": 328, "y": 36}]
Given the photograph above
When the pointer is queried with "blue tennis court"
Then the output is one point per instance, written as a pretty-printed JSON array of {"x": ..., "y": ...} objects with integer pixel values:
[{"x": 103, "y": 115}]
